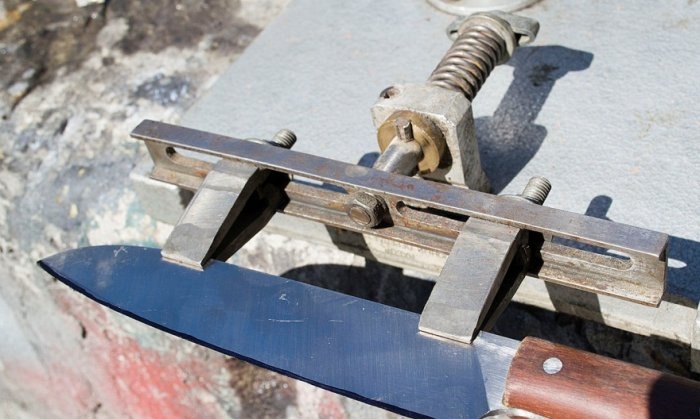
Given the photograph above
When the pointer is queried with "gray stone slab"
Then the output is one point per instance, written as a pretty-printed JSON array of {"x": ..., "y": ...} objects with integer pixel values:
[{"x": 603, "y": 104}]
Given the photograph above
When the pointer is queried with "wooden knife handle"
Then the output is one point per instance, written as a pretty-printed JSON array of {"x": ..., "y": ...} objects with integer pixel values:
[{"x": 560, "y": 382}]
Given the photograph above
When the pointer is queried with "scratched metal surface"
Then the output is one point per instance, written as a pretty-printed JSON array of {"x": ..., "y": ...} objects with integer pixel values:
[
  {"x": 603, "y": 103},
  {"x": 362, "y": 349}
]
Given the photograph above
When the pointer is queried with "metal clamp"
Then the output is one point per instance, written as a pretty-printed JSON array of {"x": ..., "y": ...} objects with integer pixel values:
[
  {"x": 563, "y": 247},
  {"x": 428, "y": 129}
]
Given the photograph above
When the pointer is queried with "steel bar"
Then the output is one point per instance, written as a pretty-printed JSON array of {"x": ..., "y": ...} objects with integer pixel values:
[
  {"x": 233, "y": 203},
  {"x": 212, "y": 211},
  {"x": 468, "y": 286}
]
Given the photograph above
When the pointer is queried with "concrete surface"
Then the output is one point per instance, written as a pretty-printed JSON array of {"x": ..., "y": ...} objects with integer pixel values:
[
  {"x": 600, "y": 107},
  {"x": 78, "y": 79},
  {"x": 594, "y": 105}
]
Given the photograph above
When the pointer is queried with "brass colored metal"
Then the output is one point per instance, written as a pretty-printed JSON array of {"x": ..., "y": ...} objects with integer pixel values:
[{"x": 431, "y": 140}]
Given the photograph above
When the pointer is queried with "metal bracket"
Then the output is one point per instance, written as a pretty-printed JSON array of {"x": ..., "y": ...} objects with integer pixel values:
[
  {"x": 451, "y": 113},
  {"x": 440, "y": 109},
  {"x": 484, "y": 269},
  {"x": 232, "y": 204},
  {"x": 525, "y": 28}
]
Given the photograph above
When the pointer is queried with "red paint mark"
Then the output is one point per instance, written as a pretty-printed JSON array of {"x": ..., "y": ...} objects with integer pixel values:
[
  {"x": 330, "y": 407},
  {"x": 152, "y": 387},
  {"x": 126, "y": 378}
]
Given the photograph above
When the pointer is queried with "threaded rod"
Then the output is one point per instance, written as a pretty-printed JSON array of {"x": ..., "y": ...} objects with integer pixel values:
[
  {"x": 536, "y": 190},
  {"x": 284, "y": 138}
]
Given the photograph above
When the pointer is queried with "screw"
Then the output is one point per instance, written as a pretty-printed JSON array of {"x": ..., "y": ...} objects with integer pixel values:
[
  {"x": 536, "y": 190},
  {"x": 552, "y": 365},
  {"x": 389, "y": 92},
  {"x": 366, "y": 210},
  {"x": 284, "y": 138},
  {"x": 404, "y": 129}
]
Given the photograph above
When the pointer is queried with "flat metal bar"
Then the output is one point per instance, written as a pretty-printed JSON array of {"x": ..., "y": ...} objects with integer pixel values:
[
  {"x": 470, "y": 280},
  {"x": 208, "y": 217},
  {"x": 631, "y": 240},
  {"x": 358, "y": 348},
  {"x": 186, "y": 172}
]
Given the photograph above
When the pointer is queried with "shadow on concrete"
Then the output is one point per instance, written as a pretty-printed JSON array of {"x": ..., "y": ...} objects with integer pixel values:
[
  {"x": 510, "y": 138},
  {"x": 684, "y": 270}
]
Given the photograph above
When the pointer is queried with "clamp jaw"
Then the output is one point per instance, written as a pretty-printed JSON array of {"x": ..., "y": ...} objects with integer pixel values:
[{"x": 491, "y": 242}]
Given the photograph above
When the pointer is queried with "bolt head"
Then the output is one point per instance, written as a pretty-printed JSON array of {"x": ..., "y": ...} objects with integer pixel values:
[{"x": 366, "y": 210}]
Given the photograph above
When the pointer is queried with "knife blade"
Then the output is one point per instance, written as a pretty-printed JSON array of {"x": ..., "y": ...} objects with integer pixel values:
[{"x": 358, "y": 348}]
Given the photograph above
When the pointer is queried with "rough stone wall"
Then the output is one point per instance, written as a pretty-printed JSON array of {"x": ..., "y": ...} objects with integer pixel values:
[{"x": 77, "y": 77}]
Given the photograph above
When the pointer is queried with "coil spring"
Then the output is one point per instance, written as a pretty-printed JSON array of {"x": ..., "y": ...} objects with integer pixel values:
[{"x": 470, "y": 60}]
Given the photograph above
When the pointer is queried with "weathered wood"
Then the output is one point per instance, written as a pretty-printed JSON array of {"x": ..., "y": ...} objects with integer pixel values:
[{"x": 593, "y": 386}]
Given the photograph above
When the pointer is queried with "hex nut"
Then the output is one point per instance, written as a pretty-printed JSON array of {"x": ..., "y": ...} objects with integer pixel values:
[{"x": 367, "y": 210}]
